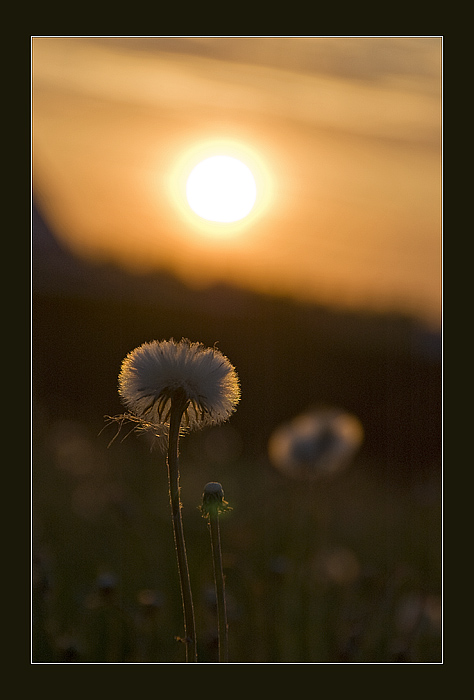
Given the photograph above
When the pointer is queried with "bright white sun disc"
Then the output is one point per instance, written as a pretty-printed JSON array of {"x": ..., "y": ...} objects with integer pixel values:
[{"x": 221, "y": 188}]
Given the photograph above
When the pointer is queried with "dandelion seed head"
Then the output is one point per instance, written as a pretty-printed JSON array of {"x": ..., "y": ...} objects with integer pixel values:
[
  {"x": 317, "y": 443},
  {"x": 201, "y": 378}
]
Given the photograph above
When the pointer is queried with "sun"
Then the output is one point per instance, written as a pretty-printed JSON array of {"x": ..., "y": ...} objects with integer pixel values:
[{"x": 221, "y": 188}]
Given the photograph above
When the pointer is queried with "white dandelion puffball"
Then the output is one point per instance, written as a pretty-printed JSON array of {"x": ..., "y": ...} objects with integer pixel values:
[
  {"x": 316, "y": 443},
  {"x": 156, "y": 372}
]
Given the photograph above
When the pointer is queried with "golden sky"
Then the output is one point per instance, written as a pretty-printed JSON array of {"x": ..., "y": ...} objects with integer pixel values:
[{"x": 343, "y": 135}]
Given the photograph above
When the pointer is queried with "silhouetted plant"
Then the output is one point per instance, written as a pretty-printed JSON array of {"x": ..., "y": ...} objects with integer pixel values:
[
  {"x": 170, "y": 388},
  {"x": 213, "y": 504}
]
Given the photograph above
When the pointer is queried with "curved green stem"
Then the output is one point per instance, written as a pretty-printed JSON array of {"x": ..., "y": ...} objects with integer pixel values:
[
  {"x": 177, "y": 409},
  {"x": 220, "y": 586}
]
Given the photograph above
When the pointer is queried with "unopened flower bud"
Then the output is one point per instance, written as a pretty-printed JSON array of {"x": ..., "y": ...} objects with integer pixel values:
[{"x": 213, "y": 500}]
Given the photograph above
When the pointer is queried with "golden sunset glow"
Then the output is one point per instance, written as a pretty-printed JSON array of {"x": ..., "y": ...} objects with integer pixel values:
[
  {"x": 342, "y": 137},
  {"x": 221, "y": 189},
  {"x": 236, "y": 272}
]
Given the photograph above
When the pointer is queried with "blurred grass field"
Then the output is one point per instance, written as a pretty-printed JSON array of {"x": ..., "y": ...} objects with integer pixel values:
[{"x": 346, "y": 570}]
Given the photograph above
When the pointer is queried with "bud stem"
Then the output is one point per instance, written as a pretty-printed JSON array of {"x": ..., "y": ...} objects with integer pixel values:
[{"x": 214, "y": 530}]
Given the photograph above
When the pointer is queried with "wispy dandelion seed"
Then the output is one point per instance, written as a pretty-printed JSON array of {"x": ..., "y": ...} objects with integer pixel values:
[{"x": 201, "y": 378}]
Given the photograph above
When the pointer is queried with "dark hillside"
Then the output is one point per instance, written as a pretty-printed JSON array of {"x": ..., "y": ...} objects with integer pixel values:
[{"x": 385, "y": 369}]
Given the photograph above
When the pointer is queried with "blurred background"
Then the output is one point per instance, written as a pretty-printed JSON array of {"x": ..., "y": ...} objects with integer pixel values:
[{"x": 327, "y": 300}]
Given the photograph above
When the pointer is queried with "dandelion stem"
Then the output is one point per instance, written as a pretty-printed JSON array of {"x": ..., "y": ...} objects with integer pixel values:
[
  {"x": 220, "y": 586},
  {"x": 177, "y": 409}
]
